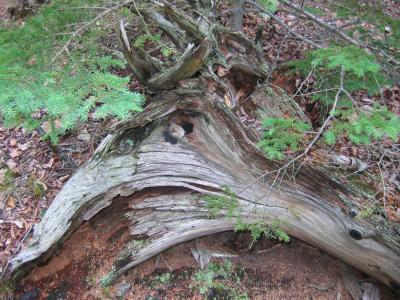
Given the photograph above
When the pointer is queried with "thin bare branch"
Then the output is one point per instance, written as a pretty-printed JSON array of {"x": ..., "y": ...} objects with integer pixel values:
[
  {"x": 86, "y": 26},
  {"x": 337, "y": 31},
  {"x": 280, "y": 22}
]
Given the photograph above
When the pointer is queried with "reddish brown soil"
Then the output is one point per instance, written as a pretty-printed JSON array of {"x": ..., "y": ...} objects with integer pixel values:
[{"x": 269, "y": 270}]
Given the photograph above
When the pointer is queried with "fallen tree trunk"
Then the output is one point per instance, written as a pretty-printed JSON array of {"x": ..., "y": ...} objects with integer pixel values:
[{"x": 189, "y": 142}]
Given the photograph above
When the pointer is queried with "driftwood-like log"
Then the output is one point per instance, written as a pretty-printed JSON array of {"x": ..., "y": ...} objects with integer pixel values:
[
  {"x": 218, "y": 152},
  {"x": 164, "y": 175}
]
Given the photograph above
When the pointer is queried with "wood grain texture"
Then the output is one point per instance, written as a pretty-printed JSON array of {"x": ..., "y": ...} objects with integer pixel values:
[
  {"x": 164, "y": 182},
  {"x": 215, "y": 154}
]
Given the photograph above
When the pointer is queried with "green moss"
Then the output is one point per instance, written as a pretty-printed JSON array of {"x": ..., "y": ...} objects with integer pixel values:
[
  {"x": 360, "y": 187},
  {"x": 389, "y": 230},
  {"x": 219, "y": 281},
  {"x": 8, "y": 179}
]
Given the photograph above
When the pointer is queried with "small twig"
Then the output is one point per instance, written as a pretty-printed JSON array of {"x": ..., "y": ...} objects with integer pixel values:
[
  {"x": 283, "y": 24},
  {"x": 316, "y": 138},
  {"x": 303, "y": 82},
  {"x": 141, "y": 17},
  {"x": 55, "y": 149},
  {"x": 336, "y": 30},
  {"x": 5, "y": 199},
  {"x": 383, "y": 181}
]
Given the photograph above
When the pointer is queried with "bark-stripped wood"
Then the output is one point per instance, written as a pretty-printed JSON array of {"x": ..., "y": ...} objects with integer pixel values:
[{"x": 163, "y": 181}]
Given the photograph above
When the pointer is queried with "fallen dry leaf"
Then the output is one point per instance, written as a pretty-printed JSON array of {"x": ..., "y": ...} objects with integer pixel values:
[
  {"x": 11, "y": 202},
  {"x": 19, "y": 224},
  {"x": 23, "y": 147},
  {"x": 46, "y": 126},
  {"x": 31, "y": 61},
  {"x": 49, "y": 164},
  {"x": 11, "y": 164},
  {"x": 63, "y": 178},
  {"x": 15, "y": 153}
]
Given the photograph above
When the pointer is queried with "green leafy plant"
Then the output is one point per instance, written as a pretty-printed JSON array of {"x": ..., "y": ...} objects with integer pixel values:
[
  {"x": 215, "y": 279},
  {"x": 362, "y": 72},
  {"x": 270, "y": 5},
  {"x": 216, "y": 203},
  {"x": 280, "y": 134},
  {"x": 141, "y": 40},
  {"x": 39, "y": 83},
  {"x": 162, "y": 279},
  {"x": 365, "y": 127},
  {"x": 366, "y": 212},
  {"x": 259, "y": 228},
  {"x": 38, "y": 187}
]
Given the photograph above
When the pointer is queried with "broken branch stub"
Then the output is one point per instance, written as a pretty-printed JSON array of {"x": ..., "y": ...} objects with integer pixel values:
[
  {"x": 191, "y": 61},
  {"x": 139, "y": 64}
]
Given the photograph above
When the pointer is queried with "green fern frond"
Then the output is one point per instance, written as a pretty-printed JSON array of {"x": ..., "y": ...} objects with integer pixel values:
[
  {"x": 78, "y": 84},
  {"x": 281, "y": 133}
]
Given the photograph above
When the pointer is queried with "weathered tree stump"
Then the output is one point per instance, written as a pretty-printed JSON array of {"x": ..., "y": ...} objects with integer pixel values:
[{"x": 189, "y": 142}]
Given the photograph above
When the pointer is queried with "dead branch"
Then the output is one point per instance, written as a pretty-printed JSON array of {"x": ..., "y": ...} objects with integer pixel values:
[
  {"x": 188, "y": 64},
  {"x": 280, "y": 22},
  {"x": 237, "y": 15},
  {"x": 167, "y": 27},
  {"x": 184, "y": 22},
  {"x": 337, "y": 31},
  {"x": 138, "y": 61}
]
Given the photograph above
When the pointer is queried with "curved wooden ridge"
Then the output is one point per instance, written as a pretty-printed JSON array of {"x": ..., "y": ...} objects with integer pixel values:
[
  {"x": 189, "y": 142},
  {"x": 215, "y": 154}
]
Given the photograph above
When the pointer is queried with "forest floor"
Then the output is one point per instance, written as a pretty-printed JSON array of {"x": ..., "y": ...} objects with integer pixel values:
[{"x": 34, "y": 173}]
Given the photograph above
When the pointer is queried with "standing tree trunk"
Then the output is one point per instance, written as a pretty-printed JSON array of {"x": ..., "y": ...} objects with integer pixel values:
[{"x": 189, "y": 142}]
